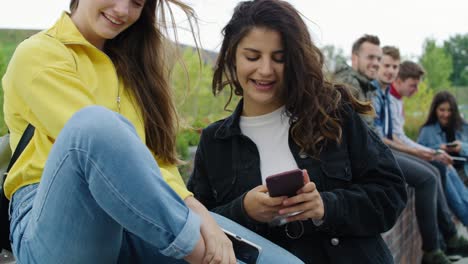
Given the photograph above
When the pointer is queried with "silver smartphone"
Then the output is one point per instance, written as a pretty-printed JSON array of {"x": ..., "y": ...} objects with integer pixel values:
[
  {"x": 451, "y": 145},
  {"x": 246, "y": 251},
  {"x": 459, "y": 159}
]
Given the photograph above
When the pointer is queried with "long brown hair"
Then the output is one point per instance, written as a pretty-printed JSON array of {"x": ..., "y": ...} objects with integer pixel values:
[
  {"x": 138, "y": 56},
  {"x": 314, "y": 104},
  {"x": 455, "y": 121}
]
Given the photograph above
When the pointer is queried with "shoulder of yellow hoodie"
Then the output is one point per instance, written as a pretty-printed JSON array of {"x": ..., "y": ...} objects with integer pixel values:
[{"x": 35, "y": 54}]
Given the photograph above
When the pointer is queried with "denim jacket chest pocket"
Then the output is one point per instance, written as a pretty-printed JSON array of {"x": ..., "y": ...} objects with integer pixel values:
[
  {"x": 222, "y": 184},
  {"x": 234, "y": 178},
  {"x": 336, "y": 169}
]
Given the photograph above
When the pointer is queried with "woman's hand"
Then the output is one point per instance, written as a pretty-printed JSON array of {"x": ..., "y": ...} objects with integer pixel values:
[
  {"x": 218, "y": 247},
  {"x": 455, "y": 149},
  {"x": 307, "y": 201},
  {"x": 260, "y": 206}
]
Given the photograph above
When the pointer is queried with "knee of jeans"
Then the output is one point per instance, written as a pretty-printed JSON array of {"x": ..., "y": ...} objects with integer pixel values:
[
  {"x": 94, "y": 120},
  {"x": 431, "y": 180},
  {"x": 92, "y": 113},
  {"x": 95, "y": 124}
]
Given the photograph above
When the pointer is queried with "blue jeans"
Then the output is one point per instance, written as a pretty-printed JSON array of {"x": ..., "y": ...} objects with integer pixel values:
[
  {"x": 270, "y": 252},
  {"x": 457, "y": 195},
  {"x": 102, "y": 199}
]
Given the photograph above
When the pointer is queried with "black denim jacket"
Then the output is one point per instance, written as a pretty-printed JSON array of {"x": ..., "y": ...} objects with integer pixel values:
[{"x": 360, "y": 183}]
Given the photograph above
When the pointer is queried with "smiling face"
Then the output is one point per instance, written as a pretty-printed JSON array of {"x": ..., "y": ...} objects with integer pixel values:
[
  {"x": 444, "y": 112},
  {"x": 388, "y": 70},
  {"x": 260, "y": 70},
  {"x": 100, "y": 20},
  {"x": 366, "y": 61}
]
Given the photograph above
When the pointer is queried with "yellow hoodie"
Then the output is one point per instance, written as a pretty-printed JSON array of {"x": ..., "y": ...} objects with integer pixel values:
[{"x": 51, "y": 76}]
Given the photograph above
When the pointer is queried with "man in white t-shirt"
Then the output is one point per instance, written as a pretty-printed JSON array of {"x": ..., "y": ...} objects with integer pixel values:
[{"x": 405, "y": 85}]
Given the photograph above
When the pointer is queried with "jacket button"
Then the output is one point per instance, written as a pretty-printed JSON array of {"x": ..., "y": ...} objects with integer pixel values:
[
  {"x": 302, "y": 155},
  {"x": 335, "y": 241}
]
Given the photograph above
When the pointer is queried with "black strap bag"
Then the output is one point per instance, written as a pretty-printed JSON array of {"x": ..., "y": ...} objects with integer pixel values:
[{"x": 6, "y": 162}]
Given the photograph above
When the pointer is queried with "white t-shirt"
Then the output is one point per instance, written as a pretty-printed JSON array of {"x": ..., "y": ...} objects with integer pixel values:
[
  {"x": 398, "y": 122},
  {"x": 270, "y": 133}
]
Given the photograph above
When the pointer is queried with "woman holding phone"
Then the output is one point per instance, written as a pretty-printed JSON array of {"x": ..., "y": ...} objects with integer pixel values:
[
  {"x": 290, "y": 117},
  {"x": 445, "y": 129}
]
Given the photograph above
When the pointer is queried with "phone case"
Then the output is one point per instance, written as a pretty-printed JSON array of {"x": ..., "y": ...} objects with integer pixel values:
[{"x": 285, "y": 183}]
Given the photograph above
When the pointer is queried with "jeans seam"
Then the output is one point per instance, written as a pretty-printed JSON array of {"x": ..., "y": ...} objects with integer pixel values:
[
  {"x": 54, "y": 175},
  {"x": 117, "y": 194}
]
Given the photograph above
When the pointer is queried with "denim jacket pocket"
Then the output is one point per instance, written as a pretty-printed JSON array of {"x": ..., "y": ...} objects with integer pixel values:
[
  {"x": 221, "y": 186},
  {"x": 337, "y": 173}
]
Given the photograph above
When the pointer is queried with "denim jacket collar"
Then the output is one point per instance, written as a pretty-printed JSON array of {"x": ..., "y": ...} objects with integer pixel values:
[
  {"x": 230, "y": 126},
  {"x": 438, "y": 129},
  {"x": 441, "y": 133},
  {"x": 377, "y": 86}
]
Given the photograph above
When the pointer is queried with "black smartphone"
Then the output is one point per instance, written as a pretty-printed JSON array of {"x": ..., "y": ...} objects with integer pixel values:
[
  {"x": 246, "y": 251},
  {"x": 451, "y": 145},
  {"x": 285, "y": 183}
]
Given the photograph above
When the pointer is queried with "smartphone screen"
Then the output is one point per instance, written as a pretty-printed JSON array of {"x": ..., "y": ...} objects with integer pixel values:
[{"x": 245, "y": 251}]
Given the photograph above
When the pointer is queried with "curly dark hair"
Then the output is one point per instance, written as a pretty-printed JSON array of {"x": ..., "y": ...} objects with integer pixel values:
[{"x": 314, "y": 104}]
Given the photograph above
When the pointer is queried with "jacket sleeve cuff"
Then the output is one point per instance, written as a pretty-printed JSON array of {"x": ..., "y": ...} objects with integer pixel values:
[
  {"x": 331, "y": 216},
  {"x": 186, "y": 240},
  {"x": 247, "y": 218}
]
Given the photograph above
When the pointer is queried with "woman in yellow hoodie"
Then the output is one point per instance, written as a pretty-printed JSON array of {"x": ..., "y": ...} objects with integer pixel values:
[
  {"x": 87, "y": 188},
  {"x": 98, "y": 182}
]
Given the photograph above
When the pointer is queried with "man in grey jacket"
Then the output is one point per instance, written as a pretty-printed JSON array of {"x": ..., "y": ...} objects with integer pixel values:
[{"x": 365, "y": 61}]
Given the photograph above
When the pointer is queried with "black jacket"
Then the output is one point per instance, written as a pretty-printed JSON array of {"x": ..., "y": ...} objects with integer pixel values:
[{"x": 361, "y": 185}]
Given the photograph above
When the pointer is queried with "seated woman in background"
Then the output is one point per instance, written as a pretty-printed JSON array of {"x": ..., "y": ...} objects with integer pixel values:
[
  {"x": 445, "y": 129},
  {"x": 290, "y": 117}
]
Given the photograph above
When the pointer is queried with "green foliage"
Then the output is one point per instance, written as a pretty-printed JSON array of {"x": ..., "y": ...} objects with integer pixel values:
[
  {"x": 196, "y": 105},
  {"x": 457, "y": 47},
  {"x": 417, "y": 108},
  {"x": 194, "y": 99},
  {"x": 3, "y": 64},
  {"x": 187, "y": 138},
  {"x": 437, "y": 64}
]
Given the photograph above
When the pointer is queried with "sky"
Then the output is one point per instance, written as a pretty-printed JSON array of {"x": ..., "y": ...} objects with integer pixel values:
[{"x": 402, "y": 23}]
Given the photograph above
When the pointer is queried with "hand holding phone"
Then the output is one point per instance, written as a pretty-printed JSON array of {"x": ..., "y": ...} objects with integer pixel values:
[
  {"x": 285, "y": 183},
  {"x": 451, "y": 145}
]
